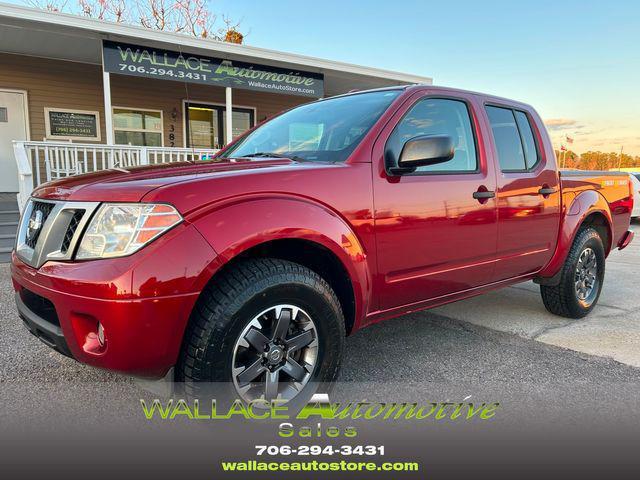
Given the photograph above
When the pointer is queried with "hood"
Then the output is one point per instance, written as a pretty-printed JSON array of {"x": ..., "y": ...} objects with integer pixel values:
[{"x": 132, "y": 184}]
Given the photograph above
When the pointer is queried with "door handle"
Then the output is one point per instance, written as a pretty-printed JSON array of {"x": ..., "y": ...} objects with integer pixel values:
[
  {"x": 483, "y": 195},
  {"x": 546, "y": 191}
]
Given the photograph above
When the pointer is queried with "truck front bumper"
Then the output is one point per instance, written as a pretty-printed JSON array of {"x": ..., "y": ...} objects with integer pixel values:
[
  {"x": 142, "y": 304},
  {"x": 43, "y": 327}
]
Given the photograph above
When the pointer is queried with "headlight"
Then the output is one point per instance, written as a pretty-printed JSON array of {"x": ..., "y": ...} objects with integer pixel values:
[{"x": 119, "y": 229}]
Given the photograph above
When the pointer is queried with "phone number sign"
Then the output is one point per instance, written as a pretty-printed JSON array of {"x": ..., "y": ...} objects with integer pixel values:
[{"x": 148, "y": 62}]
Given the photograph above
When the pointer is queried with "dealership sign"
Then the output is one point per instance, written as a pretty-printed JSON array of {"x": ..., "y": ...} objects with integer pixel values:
[
  {"x": 65, "y": 124},
  {"x": 185, "y": 67}
]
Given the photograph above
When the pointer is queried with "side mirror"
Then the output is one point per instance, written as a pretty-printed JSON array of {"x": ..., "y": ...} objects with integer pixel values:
[{"x": 424, "y": 150}]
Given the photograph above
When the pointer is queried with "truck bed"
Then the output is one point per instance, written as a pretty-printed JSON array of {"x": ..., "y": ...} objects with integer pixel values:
[{"x": 613, "y": 186}]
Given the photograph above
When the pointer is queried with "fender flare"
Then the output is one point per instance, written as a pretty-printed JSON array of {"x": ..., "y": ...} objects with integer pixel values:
[
  {"x": 238, "y": 225},
  {"x": 583, "y": 205}
]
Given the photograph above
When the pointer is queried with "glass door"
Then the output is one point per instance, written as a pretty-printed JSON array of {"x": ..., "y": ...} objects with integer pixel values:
[
  {"x": 203, "y": 126},
  {"x": 206, "y": 124}
]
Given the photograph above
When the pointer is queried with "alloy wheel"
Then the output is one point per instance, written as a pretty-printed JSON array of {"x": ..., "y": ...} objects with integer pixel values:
[
  {"x": 586, "y": 277},
  {"x": 275, "y": 355}
]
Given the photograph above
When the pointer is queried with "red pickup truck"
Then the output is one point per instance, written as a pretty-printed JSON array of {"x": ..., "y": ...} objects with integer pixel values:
[{"x": 250, "y": 269}]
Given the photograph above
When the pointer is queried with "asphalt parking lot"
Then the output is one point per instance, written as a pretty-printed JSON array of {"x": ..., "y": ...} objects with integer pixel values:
[
  {"x": 501, "y": 342},
  {"x": 611, "y": 330}
]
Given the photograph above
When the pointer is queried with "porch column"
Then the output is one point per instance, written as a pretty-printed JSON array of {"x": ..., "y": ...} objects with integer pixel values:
[
  {"x": 108, "y": 111},
  {"x": 229, "y": 115}
]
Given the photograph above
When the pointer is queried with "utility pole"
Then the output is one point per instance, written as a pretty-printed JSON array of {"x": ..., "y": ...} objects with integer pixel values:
[{"x": 620, "y": 160}]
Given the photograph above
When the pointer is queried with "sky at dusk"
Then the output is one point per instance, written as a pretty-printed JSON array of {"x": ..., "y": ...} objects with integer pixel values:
[{"x": 576, "y": 62}]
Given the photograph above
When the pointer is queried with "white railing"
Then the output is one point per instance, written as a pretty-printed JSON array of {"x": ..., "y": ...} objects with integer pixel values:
[{"x": 40, "y": 162}]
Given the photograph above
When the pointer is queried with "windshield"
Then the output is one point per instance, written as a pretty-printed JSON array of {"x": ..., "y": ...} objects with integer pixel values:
[{"x": 324, "y": 131}]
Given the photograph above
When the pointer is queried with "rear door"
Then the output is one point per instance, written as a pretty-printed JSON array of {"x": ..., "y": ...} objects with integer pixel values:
[
  {"x": 528, "y": 191},
  {"x": 433, "y": 237}
]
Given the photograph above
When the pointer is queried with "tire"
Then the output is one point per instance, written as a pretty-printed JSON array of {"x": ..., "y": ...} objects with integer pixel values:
[
  {"x": 215, "y": 348},
  {"x": 565, "y": 299}
]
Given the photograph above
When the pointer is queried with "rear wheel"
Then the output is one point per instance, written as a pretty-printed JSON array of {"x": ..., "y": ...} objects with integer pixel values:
[
  {"x": 265, "y": 329},
  {"x": 581, "y": 279}
]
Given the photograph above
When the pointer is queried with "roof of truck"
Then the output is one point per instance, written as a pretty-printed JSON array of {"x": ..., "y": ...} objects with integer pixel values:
[{"x": 445, "y": 90}]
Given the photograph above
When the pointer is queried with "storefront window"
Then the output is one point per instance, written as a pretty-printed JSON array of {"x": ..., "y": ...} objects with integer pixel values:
[
  {"x": 241, "y": 121},
  {"x": 206, "y": 124},
  {"x": 137, "y": 127},
  {"x": 305, "y": 136}
]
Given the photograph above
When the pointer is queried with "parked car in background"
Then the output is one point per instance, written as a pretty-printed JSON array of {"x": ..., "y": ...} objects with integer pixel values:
[
  {"x": 635, "y": 179},
  {"x": 249, "y": 270}
]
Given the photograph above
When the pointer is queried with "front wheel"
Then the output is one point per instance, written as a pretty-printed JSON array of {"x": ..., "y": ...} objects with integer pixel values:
[
  {"x": 581, "y": 279},
  {"x": 265, "y": 329}
]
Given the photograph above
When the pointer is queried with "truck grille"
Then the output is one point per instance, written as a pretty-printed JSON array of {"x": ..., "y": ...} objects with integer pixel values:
[
  {"x": 50, "y": 230},
  {"x": 71, "y": 230},
  {"x": 37, "y": 219}
]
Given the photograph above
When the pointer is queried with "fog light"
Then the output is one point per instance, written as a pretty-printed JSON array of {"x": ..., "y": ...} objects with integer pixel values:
[{"x": 100, "y": 334}]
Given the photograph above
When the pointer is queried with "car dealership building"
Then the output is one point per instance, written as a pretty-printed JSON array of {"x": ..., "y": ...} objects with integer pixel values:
[{"x": 78, "y": 94}]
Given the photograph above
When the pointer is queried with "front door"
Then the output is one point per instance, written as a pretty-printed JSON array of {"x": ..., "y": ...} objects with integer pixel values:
[
  {"x": 434, "y": 236},
  {"x": 13, "y": 126}
]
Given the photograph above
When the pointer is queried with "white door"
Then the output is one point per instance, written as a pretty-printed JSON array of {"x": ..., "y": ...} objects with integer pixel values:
[{"x": 13, "y": 126}]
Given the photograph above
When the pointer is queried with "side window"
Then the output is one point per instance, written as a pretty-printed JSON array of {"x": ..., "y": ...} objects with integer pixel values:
[
  {"x": 514, "y": 138},
  {"x": 507, "y": 138},
  {"x": 528, "y": 140},
  {"x": 438, "y": 116}
]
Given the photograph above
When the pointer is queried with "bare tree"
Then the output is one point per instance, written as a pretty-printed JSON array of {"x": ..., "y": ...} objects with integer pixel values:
[
  {"x": 157, "y": 14},
  {"x": 191, "y": 17},
  {"x": 118, "y": 9},
  {"x": 195, "y": 18},
  {"x": 50, "y": 5},
  {"x": 94, "y": 8}
]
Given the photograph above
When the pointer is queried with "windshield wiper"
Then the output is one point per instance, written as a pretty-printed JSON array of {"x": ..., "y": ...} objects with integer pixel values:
[{"x": 274, "y": 155}]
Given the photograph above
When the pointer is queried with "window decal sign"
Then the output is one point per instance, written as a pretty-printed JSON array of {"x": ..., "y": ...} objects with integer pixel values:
[
  {"x": 149, "y": 62},
  {"x": 64, "y": 124}
]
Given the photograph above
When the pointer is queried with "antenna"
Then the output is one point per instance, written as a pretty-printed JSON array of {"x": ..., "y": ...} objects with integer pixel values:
[{"x": 186, "y": 118}]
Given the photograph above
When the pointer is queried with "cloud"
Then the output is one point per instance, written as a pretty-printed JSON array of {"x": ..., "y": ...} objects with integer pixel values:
[
  {"x": 615, "y": 141},
  {"x": 561, "y": 123},
  {"x": 590, "y": 132}
]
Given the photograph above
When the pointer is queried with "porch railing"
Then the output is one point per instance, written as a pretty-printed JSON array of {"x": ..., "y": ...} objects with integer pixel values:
[{"x": 40, "y": 162}]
